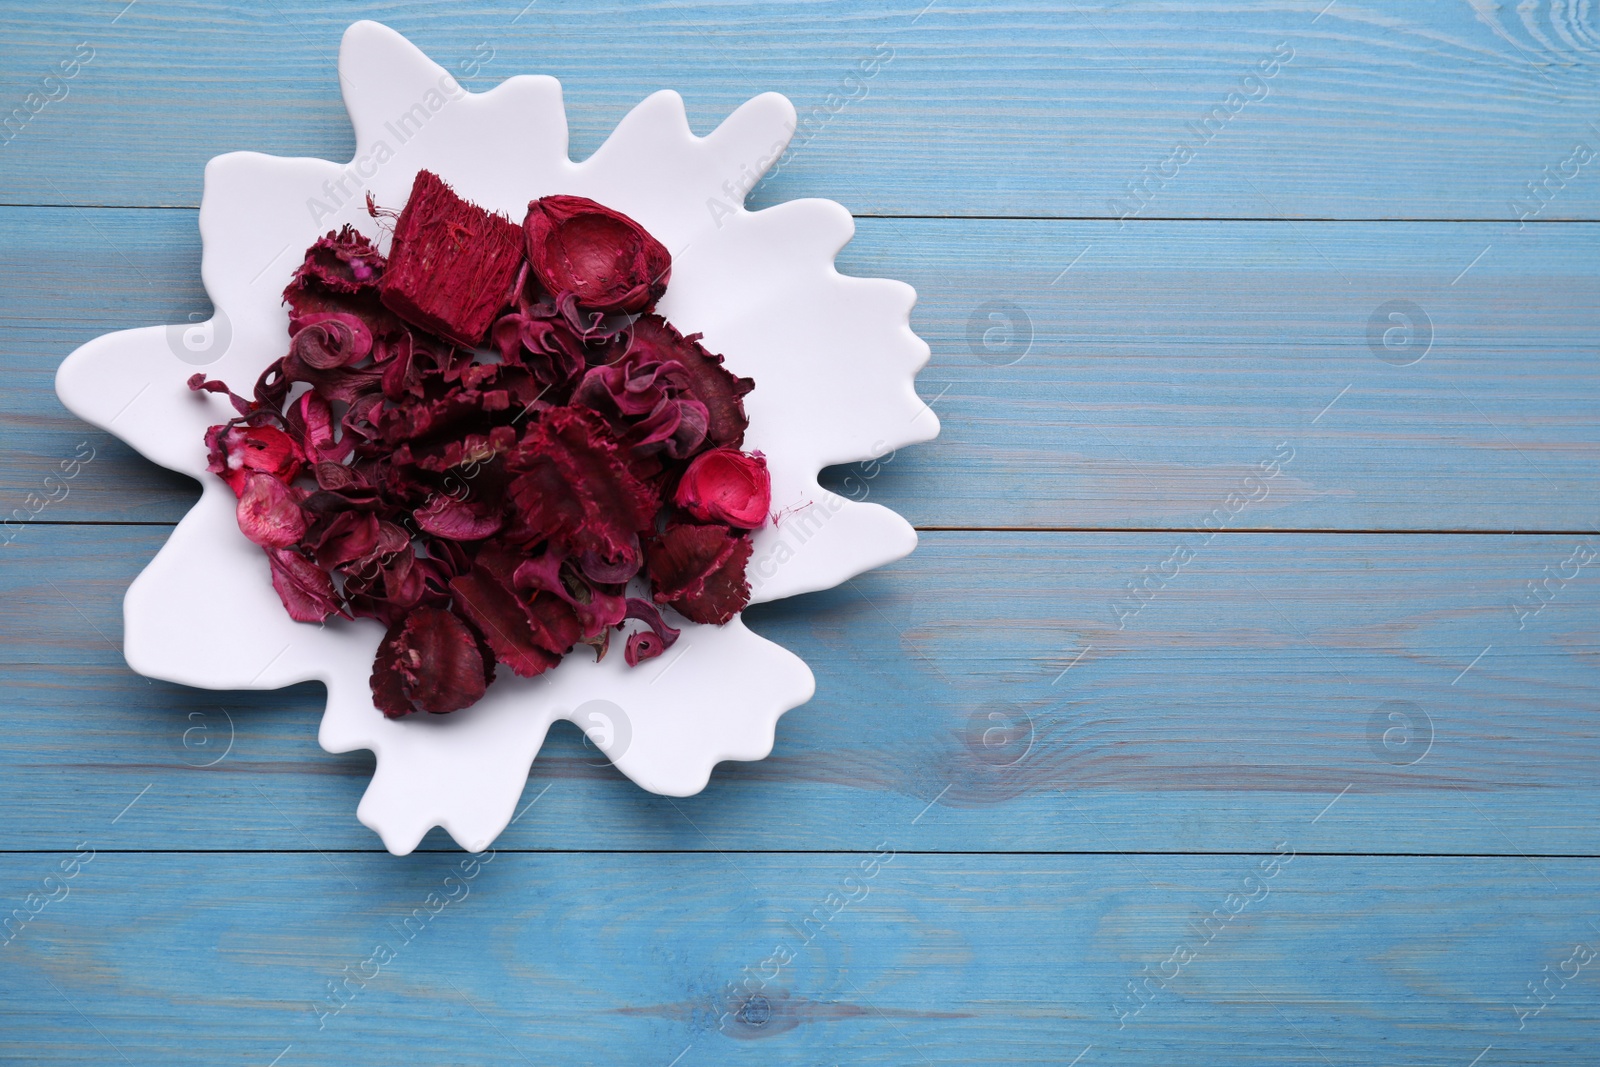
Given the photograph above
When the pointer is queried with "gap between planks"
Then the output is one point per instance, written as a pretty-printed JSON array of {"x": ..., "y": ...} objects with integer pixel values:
[
  {"x": 1134, "y": 220},
  {"x": 801, "y": 852},
  {"x": 1375, "y": 531}
]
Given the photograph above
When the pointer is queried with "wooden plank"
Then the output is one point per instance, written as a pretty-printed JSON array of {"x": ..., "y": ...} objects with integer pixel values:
[
  {"x": 979, "y": 693},
  {"x": 1164, "y": 366},
  {"x": 186, "y": 959},
  {"x": 1382, "y": 109}
]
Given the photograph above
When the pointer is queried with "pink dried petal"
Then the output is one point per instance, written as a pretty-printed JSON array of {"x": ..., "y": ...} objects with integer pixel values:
[
  {"x": 238, "y": 450},
  {"x": 305, "y": 588},
  {"x": 647, "y": 644},
  {"x": 269, "y": 512},
  {"x": 728, "y": 486}
]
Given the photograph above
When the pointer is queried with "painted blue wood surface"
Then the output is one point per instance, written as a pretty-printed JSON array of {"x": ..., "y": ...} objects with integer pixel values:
[
  {"x": 1142, "y": 386},
  {"x": 1388, "y": 109},
  {"x": 868, "y": 958},
  {"x": 984, "y": 679},
  {"x": 1000, "y": 692}
]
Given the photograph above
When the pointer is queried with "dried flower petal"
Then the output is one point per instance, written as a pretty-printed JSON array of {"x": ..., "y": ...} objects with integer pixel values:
[
  {"x": 728, "y": 486},
  {"x": 330, "y": 339},
  {"x": 458, "y": 520},
  {"x": 237, "y": 449},
  {"x": 429, "y": 662},
  {"x": 700, "y": 571},
  {"x": 305, "y": 588},
  {"x": 269, "y": 512},
  {"x": 601, "y": 257},
  {"x": 647, "y": 644},
  {"x": 342, "y": 262},
  {"x": 573, "y": 488},
  {"x": 706, "y": 380}
]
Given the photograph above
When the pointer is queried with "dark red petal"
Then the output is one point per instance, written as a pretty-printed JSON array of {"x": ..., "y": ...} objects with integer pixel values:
[
  {"x": 595, "y": 608},
  {"x": 269, "y": 512},
  {"x": 350, "y": 536},
  {"x": 388, "y": 687},
  {"x": 574, "y": 487},
  {"x": 724, "y": 592},
  {"x": 500, "y": 617},
  {"x": 683, "y": 555},
  {"x": 600, "y": 256},
  {"x": 432, "y": 662},
  {"x": 700, "y": 571},
  {"x": 305, "y": 588},
  {"x": 556, "y": 623},
  {"x": 342, "y": 262},
  {"x": 458, "y": 520},
  {"x": 329, "y": 340}
]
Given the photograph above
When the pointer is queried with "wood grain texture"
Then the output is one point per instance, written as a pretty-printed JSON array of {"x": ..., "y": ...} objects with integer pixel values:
[
  {"x": 1139, "y": 389},
  {"x": 591, "y": 959},
  {"x": 983, "y": 683},
  {"x": 1070, "y": 773},
  {"x": 1388, "y": 108}
]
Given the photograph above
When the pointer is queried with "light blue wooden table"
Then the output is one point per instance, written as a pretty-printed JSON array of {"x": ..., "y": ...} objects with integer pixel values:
[{"x": 1241, "y": 705}]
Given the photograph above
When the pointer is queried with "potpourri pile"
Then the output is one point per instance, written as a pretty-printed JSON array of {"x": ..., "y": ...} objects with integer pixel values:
[{"x": 482, "y": 438}]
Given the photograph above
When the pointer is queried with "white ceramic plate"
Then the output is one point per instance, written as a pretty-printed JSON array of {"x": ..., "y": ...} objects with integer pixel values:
[{"x": 833, "y": 359}]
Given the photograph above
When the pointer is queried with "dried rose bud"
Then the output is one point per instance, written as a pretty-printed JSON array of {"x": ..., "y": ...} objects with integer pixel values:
[
  {"x": 726, "y": 485},
  {"x": 601, "y": 257}
]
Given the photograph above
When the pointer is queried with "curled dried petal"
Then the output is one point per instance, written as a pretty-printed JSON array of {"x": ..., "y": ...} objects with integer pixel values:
[
  {"x": 650, "y": 643},
  {"x": 329, "y": 340}
]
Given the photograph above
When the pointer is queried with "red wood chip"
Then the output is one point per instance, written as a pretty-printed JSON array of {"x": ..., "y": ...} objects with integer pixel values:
[{"x": 452, "y": 263}]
